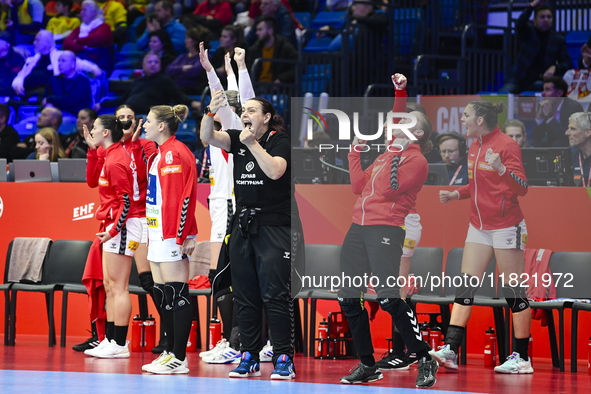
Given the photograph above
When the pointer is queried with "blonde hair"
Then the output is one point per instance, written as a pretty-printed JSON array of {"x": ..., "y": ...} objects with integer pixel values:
[
  {"x": 171, "y": 116},
  {"x": 53, "y": 138}
]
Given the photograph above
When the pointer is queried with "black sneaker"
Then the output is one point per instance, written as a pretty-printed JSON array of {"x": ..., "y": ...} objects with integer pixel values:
[
  {"x": 158, "y": 349},
  {"x": 90, "y": 343},
  {"x": 411, "y": 358},
  {"x": 427, "y": 370},
  {"x": 363, "y": 374},
  {"x": 392, "y": 361}
]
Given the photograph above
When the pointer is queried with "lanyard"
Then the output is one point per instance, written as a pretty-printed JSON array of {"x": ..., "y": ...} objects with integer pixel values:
[
  {"x": 453, "y": 179},
  {"x": 583, "y": 172}
]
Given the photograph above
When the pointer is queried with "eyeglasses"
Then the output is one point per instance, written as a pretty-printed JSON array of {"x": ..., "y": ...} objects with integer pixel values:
[{"x": 450, "y": 151}]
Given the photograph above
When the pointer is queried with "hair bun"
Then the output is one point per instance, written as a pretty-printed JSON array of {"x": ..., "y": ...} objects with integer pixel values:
[
  {"x": 180, "y": 112},
  {"x": 499, "y": 107}
]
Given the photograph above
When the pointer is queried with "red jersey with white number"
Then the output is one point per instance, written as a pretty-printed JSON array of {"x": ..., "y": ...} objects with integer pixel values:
[
  {"x": 172, "y": 192},
  {"x": 494, "y": 203},
  {"x": 115, "y": 185},
  {"x": 138, "y": 152}
]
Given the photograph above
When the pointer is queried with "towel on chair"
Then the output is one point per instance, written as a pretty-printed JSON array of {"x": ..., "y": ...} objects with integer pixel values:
[
  {"x": 93, "y": 280},
  {"x": 26, "y": 259}
]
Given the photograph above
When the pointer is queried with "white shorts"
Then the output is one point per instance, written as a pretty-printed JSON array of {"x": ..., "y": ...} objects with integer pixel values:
[
  {"x": 127, "y": 240},
  {"x": 220, "y": 211},
  {"x": 514, "y": 237},
  {"x": 144, "y": 230},
  {"x": 164, "y": 251},
  {"x": 412, "y": 222}
]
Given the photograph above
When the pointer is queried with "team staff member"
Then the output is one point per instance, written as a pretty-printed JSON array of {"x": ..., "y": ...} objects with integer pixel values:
[
  {"x": 121, "y": 229},
  {"x": 452, "y": 147},
  {"x": 373, "y": 244},
  {"x": 259, "y": 246},
  {"x": 497, "y": 227},
  {"x": 172, "y": 229}
]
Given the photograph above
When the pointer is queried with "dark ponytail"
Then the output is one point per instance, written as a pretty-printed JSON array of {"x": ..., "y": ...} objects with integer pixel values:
[
  {"x": 116, "y": 126},
  {"x": 488, "y": 111}
]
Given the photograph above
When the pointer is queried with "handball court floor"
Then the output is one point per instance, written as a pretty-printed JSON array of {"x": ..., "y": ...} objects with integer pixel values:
[{"x": 33, "y": 367}]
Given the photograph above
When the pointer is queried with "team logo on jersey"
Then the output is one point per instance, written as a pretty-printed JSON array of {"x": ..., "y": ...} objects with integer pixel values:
[
  {"x": 170, "y": 170},
  {"x": 103, "y": 181},
  {"x": 133, "y": 245},
  {"x": 249, "y": 166},
  {"x": 168, "y": 157},
  {"x": 241, "y": 152},
  {"x": 152, "y": 222}
]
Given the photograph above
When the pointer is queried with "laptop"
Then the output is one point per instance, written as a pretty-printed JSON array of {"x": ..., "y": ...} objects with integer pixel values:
[
  {"x": 3, "y": 175},
  {"x": 32, "y": 171},
  {"x": 437, "y": 174},
  {"x": 72, "y": 170}
]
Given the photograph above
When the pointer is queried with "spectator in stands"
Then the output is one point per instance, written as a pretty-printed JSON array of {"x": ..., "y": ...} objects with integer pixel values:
[
  {"x": 553, "y": 114},
  {"x": 154, "y": 88},
  {"x": 337, "y": 5},
  {"x": 543, "y": 52},
  {"x": 283, "y": 20},
  {"x": 452, "y": 147},
  {"x": 186, "y": 70},
  {"x": 116, "y": 17},
  {"x": 271, "y": 45},
  {"x": 585, "y": 60},
  {"x": 23, "y": 16},
  {"x": 47, "y": 145},
  {"x": 8, "y": 135},
  {"x": 93, "y": 39},
  {"x": 162, "y": 19},
  {"x": 579, "y": 139},
  {"x": 43, "y": 64},
  {"x": 62, "y": 24},
  {"x": 70, "y": 91},
  {"x": 212, "y": 14},
  {"x": 11, "y": 63},
  {"x": 49, "y": 117},
  {"x": 161, "y": 45},
  {"x": 232, "y": 37},
  {"x": 75, "y": 146},
  {"x": 515, "y": 129}
]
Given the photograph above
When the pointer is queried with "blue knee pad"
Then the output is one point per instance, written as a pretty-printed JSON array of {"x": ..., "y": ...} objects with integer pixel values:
[
  {"x": 176, "y": 296},
  {"x": 351, "y": 306},
  {"x": 159, "y": 295},
  {"x": 516, "y": 298},
  {"x": 466, "y": 292}
]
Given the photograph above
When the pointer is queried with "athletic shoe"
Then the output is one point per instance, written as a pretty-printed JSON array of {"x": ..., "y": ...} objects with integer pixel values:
[
  {"x": 247, "y": 368},
  {"x": 266, "y": 355},
  {"x": 169, "y": 365},
  {"x": 90, "y": 343},
  {"x": 446, "y": 357},
  {"x": 104, "y": 343},
  {"x": 113, "y": 351},
  {"x": 162, "y": 356},
  {"x": 392, "y": 361},
  {"x": 218, "y": 348},
  {"x": 284, "y": 368},
  {"x": 226, "y": 357},
  {"x": 427, "y": 370},
  {"x": 361, "y": 373},
  {"x": 515, "y": 364}
]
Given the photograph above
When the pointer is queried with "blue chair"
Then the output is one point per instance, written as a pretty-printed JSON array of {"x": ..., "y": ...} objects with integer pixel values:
[
  {"x": 304, "y": 18},
  {"x": 25, "y": 127},
  {"x": 187, "y": 130},
  {"x": 574, "y": 41},
  {"x": 27, "y": 111},
  {"x": 335, "y": 19},
  {"x": 214, "y": 45},
  {"x": 318, "y": 45},
  {"x": 316, "y": 78}
]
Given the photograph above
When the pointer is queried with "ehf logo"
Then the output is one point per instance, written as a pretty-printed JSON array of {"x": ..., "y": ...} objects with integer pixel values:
[
  {"x": 168, "y": 157},
  {"x": 249, "y": 166}
]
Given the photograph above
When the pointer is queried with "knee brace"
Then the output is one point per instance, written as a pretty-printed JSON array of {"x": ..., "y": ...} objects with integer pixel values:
[
  {"x": 159, "y": 295},
  {"x": 467, "y": 290},
  {"x": 147, "y": 281},
  {"x": 516, "y": 298},
  {"x": 351, "y": 306},
  {"x": 176, "y": 296},
  {"x": 389, "y": 305}
]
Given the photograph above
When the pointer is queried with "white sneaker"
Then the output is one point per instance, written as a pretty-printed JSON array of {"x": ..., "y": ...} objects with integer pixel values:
[
  {"x": 218, "y": 348},
  {"x": 266, "y": 355},
  {"x": 446, "y": 357},
  {"x": 113, "y": 351},
  {"x": 229, "y": 355},
  {"x": 515, "y": 364},
  {"x": 156, "y": 361},
  {"x": 91, "y": 352},
  {"x": 169, "y": 365}
]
